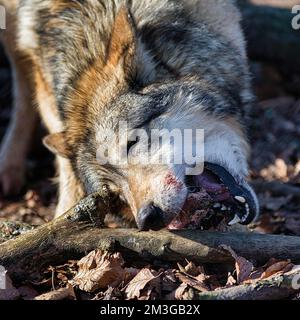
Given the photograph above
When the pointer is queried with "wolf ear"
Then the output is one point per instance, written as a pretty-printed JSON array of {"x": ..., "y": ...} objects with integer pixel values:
[
  {"x": 56, "y": 143},
  {"x": 122, "y": 47}
]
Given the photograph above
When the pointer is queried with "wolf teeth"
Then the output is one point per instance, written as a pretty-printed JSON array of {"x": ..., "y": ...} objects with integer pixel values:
[
  {"x": 224, "y": 208},
  {"x": 244, "y": 218},
  {"x": 247, "y": 208},
  {"x": 216, "y": 205},
  {"x": 235, "y": 220},
  {"x": 240, "y": 199}
]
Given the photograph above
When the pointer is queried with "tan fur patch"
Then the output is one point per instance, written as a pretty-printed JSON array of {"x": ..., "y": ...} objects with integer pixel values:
[
  {"x": 46, "y": 103},
  {"x": 139, "y": 192},
  {"x": 55, "y": 142},
  {"x": 122, "y": 43}
]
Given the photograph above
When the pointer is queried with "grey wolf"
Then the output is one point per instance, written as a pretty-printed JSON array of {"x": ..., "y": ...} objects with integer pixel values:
[{"x": 152, "y": 63}]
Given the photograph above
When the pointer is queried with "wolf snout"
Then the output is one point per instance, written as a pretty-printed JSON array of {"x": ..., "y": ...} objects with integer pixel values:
[{"x": 150, "y": 217}]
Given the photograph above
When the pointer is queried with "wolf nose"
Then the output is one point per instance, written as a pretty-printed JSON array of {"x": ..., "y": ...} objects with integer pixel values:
[{"x": 150, "y": 217}]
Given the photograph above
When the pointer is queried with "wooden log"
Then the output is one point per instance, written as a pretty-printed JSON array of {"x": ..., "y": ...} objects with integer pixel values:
[
  {"x": 278, "y": 287},
  {"x": 29, "y": 252}
]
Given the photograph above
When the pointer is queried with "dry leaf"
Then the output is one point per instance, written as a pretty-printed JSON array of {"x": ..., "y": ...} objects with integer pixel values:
[
  {"x": 130, "y": 273},
  {"x": 62, "y": 277},
  {"x": 169, "y": 281},
  {"x": 180, "y": 267},
  {"x": 194, "y": 282},
  {"x": 139, "y": 282},
  {"x": 211, "y": 280},
  {"x": 192, "y": 269},
  {"x": 270, "y": 269},
  {"x": 277, "y": 267},
  {"x": 243, "y": 269},
  {"x": 60, "y": 294},
  {"x": 230, "y": 280},
  {"x": 193, "y": 276},
  {"x": 243, "y": 266},
  {"x": 180, "y": 291},
  {"x": 99, "y": 270},
  {"x": 111, "y": 294},
  {"x": 254, "y": 276},
  {"x": 149, "y": 293}
]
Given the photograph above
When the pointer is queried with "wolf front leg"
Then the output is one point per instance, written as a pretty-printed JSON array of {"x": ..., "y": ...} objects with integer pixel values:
[
  {"x": 16, "y": 143},
  {"x": 17, "y": 140}
]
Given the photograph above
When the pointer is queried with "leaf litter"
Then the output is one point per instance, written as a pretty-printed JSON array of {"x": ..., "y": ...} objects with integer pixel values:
[{"x": 101, "y": 275}]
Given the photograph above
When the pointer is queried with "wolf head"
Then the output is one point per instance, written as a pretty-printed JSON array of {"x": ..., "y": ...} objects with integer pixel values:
[{"x": 122, "y": 104}]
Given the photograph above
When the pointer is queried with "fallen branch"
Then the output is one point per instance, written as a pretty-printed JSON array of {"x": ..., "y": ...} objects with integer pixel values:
[
  {"x": 77, "y": 232},
  {"x": 28, "y": 253},
  {"x": 274, "y": 288}
]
